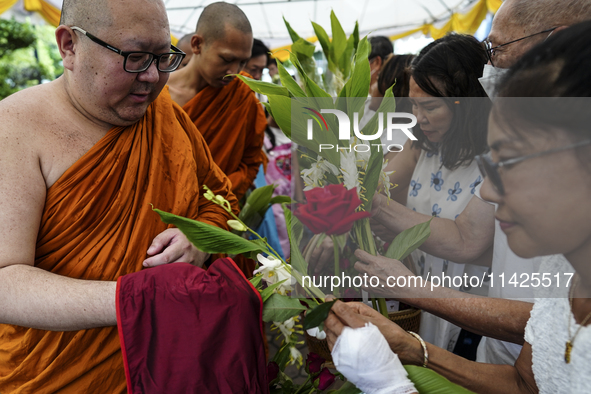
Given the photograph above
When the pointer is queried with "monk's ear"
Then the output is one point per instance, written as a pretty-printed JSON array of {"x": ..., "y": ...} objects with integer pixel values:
[
  {"x": 67, "y": 43},
  {"x": 197, "y": 44}
]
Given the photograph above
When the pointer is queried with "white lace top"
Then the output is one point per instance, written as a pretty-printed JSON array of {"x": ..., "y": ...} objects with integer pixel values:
[{"x": 547, "y": 333}]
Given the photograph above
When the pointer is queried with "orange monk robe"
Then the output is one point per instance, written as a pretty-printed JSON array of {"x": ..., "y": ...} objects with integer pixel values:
[
  {"x": 233, "y": 123},
  {"x": 97, "y": 224}
]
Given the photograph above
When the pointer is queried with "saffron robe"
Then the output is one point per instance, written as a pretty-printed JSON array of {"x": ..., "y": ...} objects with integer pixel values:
[
  {"x": 187, "y": 330},
  {"x": 233, "y": 123},
  {"x": 97, "y": 224}
]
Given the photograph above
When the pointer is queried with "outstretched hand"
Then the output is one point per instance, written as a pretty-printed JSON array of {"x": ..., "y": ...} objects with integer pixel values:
[
  {"x": 392, "y": 275},
  {"x": 357, "y": 314},
  {"x": 171, "y": 246}
]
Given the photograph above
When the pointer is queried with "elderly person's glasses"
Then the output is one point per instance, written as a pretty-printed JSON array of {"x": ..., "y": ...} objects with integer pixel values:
[
  {"x": 490, "y": 169},
  {"x": 490, "y": 50},
  {"x": 137, "y": 62}
]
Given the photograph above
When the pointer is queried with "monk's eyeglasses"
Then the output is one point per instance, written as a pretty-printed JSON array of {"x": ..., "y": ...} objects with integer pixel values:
[
  {"x": 137, "y": 62},
  {"x": 490, "y": 169},
  {"x": 490, "y": 50}
]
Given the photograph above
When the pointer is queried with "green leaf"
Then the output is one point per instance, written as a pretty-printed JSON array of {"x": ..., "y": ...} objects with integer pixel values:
[
  {"x": 325, "y": 44},
  {"x": 282, "y": 357},
  {"x": 262, "y": 246},
  {"x": 288, "y": 81},
  {"x": 372, "y": 177},
  {"x": 281, "y": 308},
  {"x": 295, "y": 228},
  {"x": 346, "y": 388},
  {"x": 256, "y": 280},
  {"x": 265, "y": 88},
  {"x": 409, "y": 240},
  {"x": 208, "y": 238},
  {"x": 294, "y": 36},
  {"x": 429, "y": 381},
  {"x": 360, "y": 76},
  {"x": 281, "y": 110},
  {"x": 318, "y": 315},
  {"x": 303, "y": 47},
  {"x": 339, "y": 38},
  {"x": 269, "y": 291},
  {"x": 281, "y": 200},
  {"x": 257, "y": 201}
]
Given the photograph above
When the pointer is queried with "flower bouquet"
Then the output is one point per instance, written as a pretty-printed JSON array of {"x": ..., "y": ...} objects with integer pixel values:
[{"x": 339, "y": 187}]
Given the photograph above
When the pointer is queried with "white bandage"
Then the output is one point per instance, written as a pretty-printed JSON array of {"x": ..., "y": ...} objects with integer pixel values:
[{"x": 364, "y": 357}]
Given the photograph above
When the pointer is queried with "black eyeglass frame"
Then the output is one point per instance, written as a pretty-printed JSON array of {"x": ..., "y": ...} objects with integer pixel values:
[
  {"x": 491, "y": 169},
  {"x": 125, "y": 55},
  {"x": 490, "y": 49}
]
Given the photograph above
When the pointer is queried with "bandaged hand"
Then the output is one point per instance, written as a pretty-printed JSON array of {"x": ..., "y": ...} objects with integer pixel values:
[{"x": 364, "y": 357}]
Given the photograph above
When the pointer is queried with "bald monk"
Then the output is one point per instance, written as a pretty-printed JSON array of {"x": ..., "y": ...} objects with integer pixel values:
[
  {"x": 223, "y": 108},
  {"x": 82, "y": 159},
  {"x": 184, "y": 45}
]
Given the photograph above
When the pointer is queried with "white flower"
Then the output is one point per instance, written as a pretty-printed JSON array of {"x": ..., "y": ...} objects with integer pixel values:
[
  {"x": 286, "y": 328},
  {"x": 385, "y": 178},
  {"x": 316, "y": 332},
  {"x": 349, "y": 170},
  {"x": 274, "y": 271},
  {"x": 295, "y": 356},
  {"x": 327, "y": 166},
  {"x": 236, "y": 225},
  {"x": 314, "y": 175}
]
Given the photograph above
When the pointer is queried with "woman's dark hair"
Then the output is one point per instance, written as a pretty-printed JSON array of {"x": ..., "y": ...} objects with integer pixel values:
[
  {"x": 449, "y": 68},
  {"x": 396, "y": 71},
  {"x": 557, "y": 74},
  {"x": 380, "y": 46},
  {"x": 259, "y": 48}
]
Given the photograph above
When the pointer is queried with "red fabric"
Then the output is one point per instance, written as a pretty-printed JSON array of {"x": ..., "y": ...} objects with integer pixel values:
[{"x": 187, "y": 330}]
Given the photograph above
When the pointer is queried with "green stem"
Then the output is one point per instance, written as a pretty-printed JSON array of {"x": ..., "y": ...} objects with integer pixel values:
[
  {"x": 383, "y": 307},
  {"x": 303, "y": 385},
  {"x": 266, "y": 244},
  {"x": 337, "y": 268},
  {"x": 369, "y": 246}
]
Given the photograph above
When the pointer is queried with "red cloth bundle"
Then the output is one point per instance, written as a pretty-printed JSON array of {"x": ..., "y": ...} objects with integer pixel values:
[{"x": 187, "y": 330}]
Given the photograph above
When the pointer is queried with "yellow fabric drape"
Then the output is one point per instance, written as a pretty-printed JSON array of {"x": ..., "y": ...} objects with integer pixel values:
[
  {"x": 50, "y": 13},
  {"x": 460, "y": 23},
  {"x": 6, "y": 4}
]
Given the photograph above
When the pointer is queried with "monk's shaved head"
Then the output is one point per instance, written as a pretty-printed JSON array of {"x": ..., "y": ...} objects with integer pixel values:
[
  {"x": 215, "y": 19},
  {"x": 88, "y": 14}
]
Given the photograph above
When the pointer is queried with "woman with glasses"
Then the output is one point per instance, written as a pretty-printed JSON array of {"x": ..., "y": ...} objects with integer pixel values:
[
  {"x": 539, "y": 175},
  {"x": 439, "y": 168}
]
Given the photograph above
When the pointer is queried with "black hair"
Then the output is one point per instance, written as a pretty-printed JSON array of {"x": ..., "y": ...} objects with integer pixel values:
[
  {"x": 557, "y": 74},
  {"x": 396, "y": 71},
  {"x": 449, "y": 68},
  {"x": 259, "y": 48},
  {"x": 380, "y": 46}
]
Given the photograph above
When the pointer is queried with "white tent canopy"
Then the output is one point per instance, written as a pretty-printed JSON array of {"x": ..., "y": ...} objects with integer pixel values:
[
  {"x": 266, "y": 16},
  {"x": 384, "y": 17}
]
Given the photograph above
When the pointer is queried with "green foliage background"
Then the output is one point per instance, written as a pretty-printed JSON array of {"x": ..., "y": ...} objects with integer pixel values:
[{"x": 28, "y": 56}]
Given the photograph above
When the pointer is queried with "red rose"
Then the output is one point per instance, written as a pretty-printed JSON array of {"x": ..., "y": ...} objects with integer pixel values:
[
  {"x": 325, "y": 379},
  {"x": 344, "y": 263},
  {"x": 272, "y": 371},
  {"x": 314, "y": 363},
  {"x": 330, "y": 210}
]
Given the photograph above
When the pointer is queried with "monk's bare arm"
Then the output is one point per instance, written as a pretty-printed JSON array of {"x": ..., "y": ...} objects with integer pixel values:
[
  {"x": 32, "y": 297},
  {"x": 29, "y": 296}
]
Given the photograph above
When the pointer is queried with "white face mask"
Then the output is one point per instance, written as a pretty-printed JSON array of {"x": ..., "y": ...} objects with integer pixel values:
[{"x": 490, "y": 76}]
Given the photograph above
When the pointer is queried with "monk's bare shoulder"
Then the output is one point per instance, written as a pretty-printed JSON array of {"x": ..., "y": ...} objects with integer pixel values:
[
  {"x": 22, "y": 186},
  {"x": 180, "y": 90}
]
